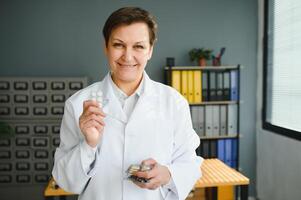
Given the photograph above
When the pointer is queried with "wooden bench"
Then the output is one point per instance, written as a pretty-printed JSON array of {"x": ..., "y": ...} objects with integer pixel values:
[
  {"x": 52, "y": 190},
  {"x": 216, "y": 173}
]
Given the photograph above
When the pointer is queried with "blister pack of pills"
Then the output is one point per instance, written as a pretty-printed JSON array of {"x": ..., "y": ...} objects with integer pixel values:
[
  {"x": 135, "y": 168},
  {"x": 97, "y": 96}
]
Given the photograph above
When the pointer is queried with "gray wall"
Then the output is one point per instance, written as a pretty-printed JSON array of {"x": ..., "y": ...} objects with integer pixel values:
[
  {"x": 63, "y": 38},
  {"x": 278, "y": 157},
  {"x": 278, "y": 167}
]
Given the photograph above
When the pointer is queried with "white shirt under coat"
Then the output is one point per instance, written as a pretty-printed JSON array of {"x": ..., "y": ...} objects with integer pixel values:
[{"x": 155, "y": 124}]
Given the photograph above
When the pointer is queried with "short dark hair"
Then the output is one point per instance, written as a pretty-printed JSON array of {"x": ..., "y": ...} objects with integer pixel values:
[{"x": 127, "y": 16}]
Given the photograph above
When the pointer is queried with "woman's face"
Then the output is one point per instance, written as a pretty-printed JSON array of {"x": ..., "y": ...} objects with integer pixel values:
[{"x": 128, "y": 51}]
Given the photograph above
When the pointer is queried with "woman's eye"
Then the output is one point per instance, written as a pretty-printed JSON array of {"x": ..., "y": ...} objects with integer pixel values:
[
  {"x": 117, "y": 45},
  {"x": 139, "y": 47}
]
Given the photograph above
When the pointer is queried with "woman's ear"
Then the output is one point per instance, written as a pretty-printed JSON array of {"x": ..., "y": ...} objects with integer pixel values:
[
  {"x": 150, "y": 53},
  {"x": 105, "y": 49}
]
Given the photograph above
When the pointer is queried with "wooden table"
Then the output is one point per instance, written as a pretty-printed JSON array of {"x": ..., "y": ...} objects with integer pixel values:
[
  {"x": 216, "y": 173},
  {"x": 52, "y": 190}
]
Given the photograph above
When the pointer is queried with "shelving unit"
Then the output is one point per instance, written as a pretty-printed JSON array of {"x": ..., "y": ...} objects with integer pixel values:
[
  {"x": 224, "y": 83},
  {"x": 213, "y": 96}
]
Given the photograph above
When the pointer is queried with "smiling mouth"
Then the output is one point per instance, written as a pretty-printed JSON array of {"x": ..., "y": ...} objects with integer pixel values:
[{"x": 127, "y": 65}]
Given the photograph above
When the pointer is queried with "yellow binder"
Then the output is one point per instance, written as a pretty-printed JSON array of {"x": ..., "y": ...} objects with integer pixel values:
[
  {"x": 190, "y": 87},
  {"x": 176, "y": 80},
  {"x": 184, "y": 85},
  {"x": 197, "y": 80},
  {"x": 225, "y": 193}
]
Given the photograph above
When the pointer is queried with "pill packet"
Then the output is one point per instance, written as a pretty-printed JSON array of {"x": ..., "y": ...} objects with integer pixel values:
[
  {"x": 135, "y": 168},
  {"x": 97, "y": 96}
]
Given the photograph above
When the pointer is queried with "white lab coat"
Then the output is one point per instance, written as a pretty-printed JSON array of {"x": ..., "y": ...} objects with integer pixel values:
[{"x": 159, "y": 127}]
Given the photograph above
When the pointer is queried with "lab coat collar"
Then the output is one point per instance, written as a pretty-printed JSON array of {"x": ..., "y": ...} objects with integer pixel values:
[
  {"x": 148, "y": 88},
  {"x": 117, "y": 91},
  {"x": 112, "y": 107},
  {"x": 147, "y": 105}
]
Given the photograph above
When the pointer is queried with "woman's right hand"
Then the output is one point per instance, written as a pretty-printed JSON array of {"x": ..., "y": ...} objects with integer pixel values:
[{"x": 91, "y": 122}]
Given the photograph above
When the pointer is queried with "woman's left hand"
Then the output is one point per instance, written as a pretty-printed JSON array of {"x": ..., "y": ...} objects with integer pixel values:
[{"x": 159, "y": 175}]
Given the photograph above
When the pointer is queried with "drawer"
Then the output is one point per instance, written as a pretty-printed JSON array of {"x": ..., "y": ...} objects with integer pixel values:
[
  {"x": 4, "y": 85},
  {"x": 55, "y": 129},
  {"x": 21, "y": 98},
  {"x": 58, "y": 85},
  {"x": 22, "y": 166},
  {"x": 22, "y": 111},
  {"x": 23, "y": 154},
  {"x": 41, "y": 166},
  {"x": 40, "y": 142},
  {"x": 55, "y": 142},
  {"x": 41, "y": 178},
  {"x": 22, "y": 142},
  {"x": 39, "y": 85},
  {"x": 39, "y": 98},
  {"x": 6, "y": 167},
  {"x": 40, "y": 111},
  {"x": 5, "y": 143},
  {"x": 22, "y": 129},
  {"x": 58, "y": 98},
  {"x": 23, "y": 178},
  {"x": 75, "y": 85},
  {"x": 57, "y": 110},
  {"x": 40, "y": 129},
  {"x": 21, "y": 85},
  {"x": 6, "y": 178},
  {"x": 5, "y": 111},
  {"x": 41, "y": 154},
  {"x": 5, "y": 154},
  {"x": 4, "y": 98}
]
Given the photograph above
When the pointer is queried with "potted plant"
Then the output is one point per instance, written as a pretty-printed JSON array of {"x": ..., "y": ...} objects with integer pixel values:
[{"x": 201, "y": 55}]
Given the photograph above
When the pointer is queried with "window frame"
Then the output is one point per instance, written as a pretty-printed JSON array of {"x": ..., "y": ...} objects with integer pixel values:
[{"x": 265, "y": 124}]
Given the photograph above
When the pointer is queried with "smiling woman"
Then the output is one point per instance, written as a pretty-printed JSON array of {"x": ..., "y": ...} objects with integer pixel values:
[
  {"x": 138, "y": 142},
  {"x": 129, "y": 35},
  {"x": 128, "y": 51}
]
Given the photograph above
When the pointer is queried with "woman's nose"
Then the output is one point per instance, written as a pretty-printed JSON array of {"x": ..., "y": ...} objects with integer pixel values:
[{"x": 128, "y": 55}]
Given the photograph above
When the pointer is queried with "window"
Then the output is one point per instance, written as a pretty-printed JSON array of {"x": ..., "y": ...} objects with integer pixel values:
[{"x": 282, "y": 67}]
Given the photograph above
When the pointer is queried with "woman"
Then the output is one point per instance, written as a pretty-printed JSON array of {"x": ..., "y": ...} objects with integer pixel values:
[{"x": 138, "y": 121}]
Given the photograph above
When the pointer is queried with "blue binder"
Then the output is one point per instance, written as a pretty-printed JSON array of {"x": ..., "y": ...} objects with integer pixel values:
[
  {"x": 221, "y": 150},
  {"x": 234, "y": 85},
  {"x": 228, "y": 152},
  {"x": 234, "y": 153}
]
